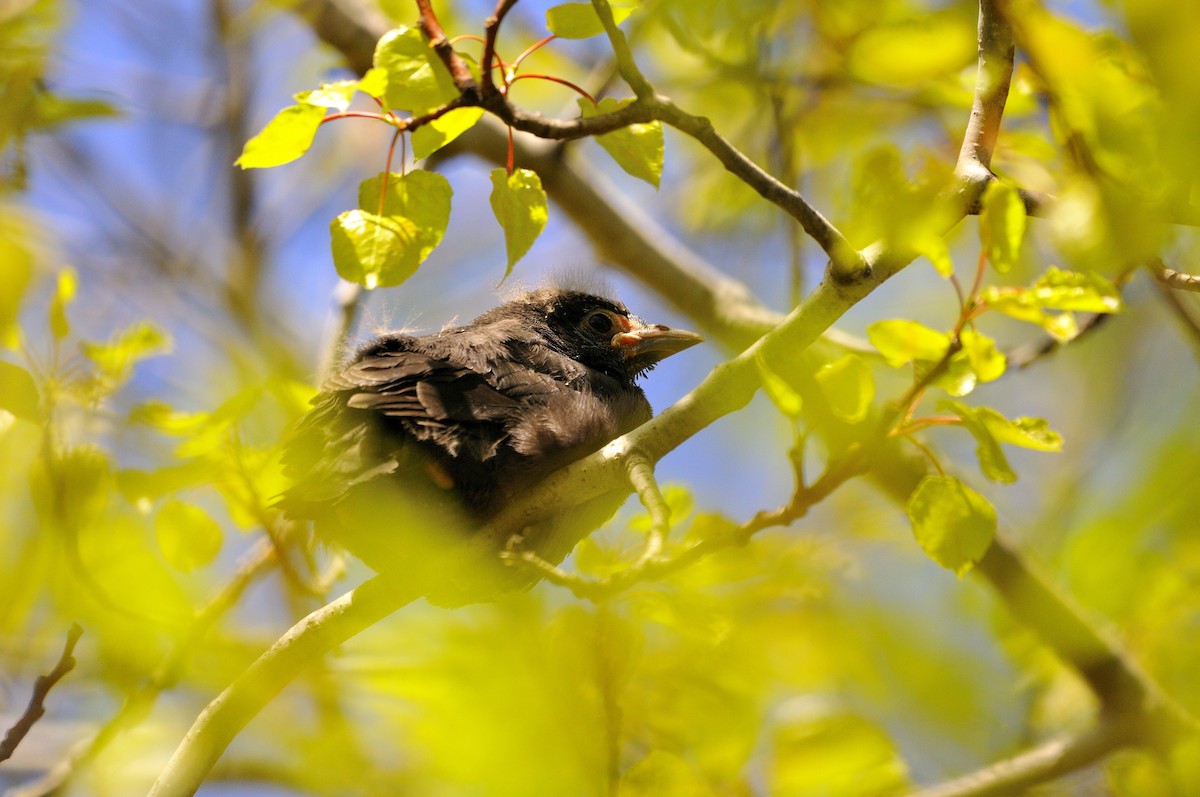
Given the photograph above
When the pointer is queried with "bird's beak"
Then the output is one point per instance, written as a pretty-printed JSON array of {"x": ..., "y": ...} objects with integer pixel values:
[{"x": 649, "y": 343}]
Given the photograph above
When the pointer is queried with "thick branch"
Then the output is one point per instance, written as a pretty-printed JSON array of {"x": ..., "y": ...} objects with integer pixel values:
[
  {"x": 37, "y": 701},
  {"x": 992, "y": 81}
]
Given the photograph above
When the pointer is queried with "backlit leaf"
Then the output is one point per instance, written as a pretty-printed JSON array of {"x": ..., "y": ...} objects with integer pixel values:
[
  {"x": 986, "y": 361},
  {"x": 64, "y": 294},
  {"x": 1087, "y": 292},
  {"x": 637, "y": 148},
  {"x": 901, "y": 341},
  {"x": 431, "y": 137},
  {"x": 187, "y": 536},
  {"x": 19, "y": 393},
  {"x": 953, "y": 524},
  {"x": 284, "y": 139},
  {"x": 580, "y": 21},
  {"x": 417, "y": 80},
  {"x": 1002, "y": 225},
  {"x": 990, "y": 429},
  {"x": 848, "y": 386},
  {"x": 116, "y": 357},
  {"x": 421, "y": 197},
  {"x": 785, "y": 399},
  {"x": 374, "y": 251},
  {"x": 520, "y": 205}
]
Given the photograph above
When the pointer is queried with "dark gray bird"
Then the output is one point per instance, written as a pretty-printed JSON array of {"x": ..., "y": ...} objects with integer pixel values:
[{"x": 422, "y": 439}]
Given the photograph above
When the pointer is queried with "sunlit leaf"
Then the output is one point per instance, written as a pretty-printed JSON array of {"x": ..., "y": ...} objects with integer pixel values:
[
  {"x": 913, "y": 52},
  {"x": 956, "y": 377},
  {"x": 166, "y": 419},
  {"x": 953, "y": 524},
  {"x": 710, "y": 525},
  {"x": 937, "y": 251},
  {"x": 990, "y": 429},
  {"x": 16, "y": 271},
  {"x": 64, "y": 294},
  {"x": 431, "y": 137},
  {"x": 116, "y": 357},
  {"x": 71, "y": 487},
  {"x": 329, "y": 95},
  {"x": 901, "y": 341},
  {"x": 374, "y": 251},
  {"x": 580, "y": 21},
  {"x": 848, "y": 386},
  {"x": 519, "y": 203},
  {"x": 1002, "y": 225},
  {"x": 637, "y": 148},
  {"x": 825, "y": 750},
  {"x": 284, "y": 139},
  {"x": 986, "y": 361},
  {"x": 417, "y": 80},
  {"x": 1089, "y": 292},
  {"x": 420, "y": 197},
  {"x": 19, "y": 393},
  {"x": 782, "y": 395},
  {"x": 374, "y": 82},
  {"x": 187, "y": 536}
]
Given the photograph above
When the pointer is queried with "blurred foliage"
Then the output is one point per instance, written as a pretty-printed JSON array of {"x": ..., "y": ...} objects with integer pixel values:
[{"x": 141, "y": 414}]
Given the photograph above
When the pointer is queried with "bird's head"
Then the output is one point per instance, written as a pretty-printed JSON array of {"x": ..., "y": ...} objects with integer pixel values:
[{"x": 601, "y": 333}]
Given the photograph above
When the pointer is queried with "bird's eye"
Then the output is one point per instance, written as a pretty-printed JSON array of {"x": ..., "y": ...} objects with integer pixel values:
[{"x": 601, "y": 322}]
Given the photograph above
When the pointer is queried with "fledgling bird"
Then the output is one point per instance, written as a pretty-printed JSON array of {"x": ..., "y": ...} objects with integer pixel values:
[{"x": 421, "y": 439}]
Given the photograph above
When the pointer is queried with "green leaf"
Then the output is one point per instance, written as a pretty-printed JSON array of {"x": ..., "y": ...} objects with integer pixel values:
[
  {"x": 711, "y": 525},
  {"x": 421, "y": 196},
  {"x": 374, "y": 83},
  {"x": 330, "y": 95},
  {"x": 990, "y": 429},
  {"x": 580, "y": 20},
  {"x": 637, "y": 148},
  {"x": 901, "y": 341},
  {"x": 417, "y": 80},
  {"x": 116, "y": 357},
  {"x": 64, "y": 293},
  {"x": 957, "y": 378},
  {"x": 285, "y": 138},
  {"x": 16, "y": 271},
  {"x": 1002, "y": 225},
  {"x": 848, "y": 386},
  {"x": 166, "y": 419},
  {"x": 986, "y": 361},
  {"x": 19, "y": 393},
  {"x": 785, "y": 399},
  {"x": 937, "y": 251},
  {"x": 520, "y": 205},
  {"x": 187, "y": 536},
  {"x": 1088, "y": 292},
  {"x": 431, "y": 137},
  {"x": 953, "y": 524},
  {"x": 374, "y": 251},
  {"x": 396, "y": 229}
]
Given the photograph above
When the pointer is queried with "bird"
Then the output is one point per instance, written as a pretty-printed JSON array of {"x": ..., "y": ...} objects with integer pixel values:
[{"x": 419, "y": 440}]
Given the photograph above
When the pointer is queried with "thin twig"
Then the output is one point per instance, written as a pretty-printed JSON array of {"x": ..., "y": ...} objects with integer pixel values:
[
  {"x": 641, "y": 477},
  {"x": 41, "y": 688},
  {"x": 441, "y": 45},
  {"x": 491, "y": 29},
  {"x": 1172, "y": 278}
]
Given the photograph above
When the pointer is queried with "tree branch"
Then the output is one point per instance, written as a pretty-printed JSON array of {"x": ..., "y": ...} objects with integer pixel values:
[
  {"x": 1174, "y": 279},
  {"x": 37, "y": 701},
  {"x": 224, "y": 717}
]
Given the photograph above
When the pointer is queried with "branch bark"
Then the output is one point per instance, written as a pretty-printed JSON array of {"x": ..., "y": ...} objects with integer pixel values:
[{"x": 37, "y": 701}]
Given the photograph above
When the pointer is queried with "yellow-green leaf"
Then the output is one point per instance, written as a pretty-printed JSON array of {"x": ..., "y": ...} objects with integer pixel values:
[
  {"x": 637, "y": 148},
  {"x": 422, "y": 197},
  {"x": 417, "y": 80},
  {"x": 901, "y": 341},
  {"x": 662, "y": 774},
  {"x": 986, "y": 361},
  {"x": 284, "y": 139},
  {"x": 330, "y": 95},
  {"x": 848, "y": 386},
  {"x": 1002, "y": 225},
  {"x": 187, "y": 536},
  {"x": 937, "y": 251},
  {"x": 19, "y": 393},
  {"x": 116, "y": 357},
  {"x": 374, "y": 251},
  {"x": 953, "y": 524},
  {"x": 1087, "y": 292},
  {"x": 520, "y": 205},
  {"x": 580, "y": 21},
  {"x": 431, "y": 137},
  {"x": 374, "y": 82},
  {"x": 786, "y": 399},
  {"x": 64, "y": 294}
]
